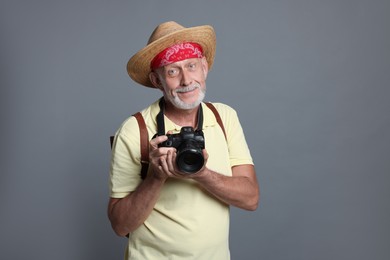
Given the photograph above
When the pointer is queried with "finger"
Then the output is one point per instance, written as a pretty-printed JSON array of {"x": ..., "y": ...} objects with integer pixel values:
[
  {"x": 170, "y": 160},
  {"x": 205, "y": 155},
  {"x": 157, "y": 140},
  {"x": 164, "y": 165}
]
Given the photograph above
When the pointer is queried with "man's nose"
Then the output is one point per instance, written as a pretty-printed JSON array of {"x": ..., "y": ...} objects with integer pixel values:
[{"x": 186, "y": 78}]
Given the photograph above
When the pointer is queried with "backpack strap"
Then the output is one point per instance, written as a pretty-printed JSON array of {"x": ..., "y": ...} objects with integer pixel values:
[
  {"x": 144, "y": 137},
  {"x": 144, "y": 144},
  {"x": 217, "y": 116}
]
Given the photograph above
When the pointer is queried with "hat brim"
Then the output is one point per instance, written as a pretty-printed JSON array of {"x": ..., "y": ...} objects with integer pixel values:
[{"x": 138, "y": 66}]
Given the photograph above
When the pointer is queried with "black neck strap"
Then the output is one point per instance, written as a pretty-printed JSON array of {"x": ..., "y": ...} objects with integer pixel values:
[{"x": 160, "y": 118}]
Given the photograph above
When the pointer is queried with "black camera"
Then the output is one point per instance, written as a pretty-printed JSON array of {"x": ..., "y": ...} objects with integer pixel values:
[{"x": 189, "y": 145}]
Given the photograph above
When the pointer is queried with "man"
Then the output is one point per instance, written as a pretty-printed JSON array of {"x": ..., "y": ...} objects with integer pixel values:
[{"x": 170, "y": 213}]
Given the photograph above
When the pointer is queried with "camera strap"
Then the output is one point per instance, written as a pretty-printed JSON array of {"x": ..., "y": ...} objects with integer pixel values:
[
  {"x": 160, "y": 118},
  {"x": 144, "y": 140}
]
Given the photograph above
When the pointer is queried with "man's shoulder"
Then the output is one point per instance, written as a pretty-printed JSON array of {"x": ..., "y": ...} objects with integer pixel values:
[
  {"x": 130, "y": 124},
  {"x": 223, "y": 109}
]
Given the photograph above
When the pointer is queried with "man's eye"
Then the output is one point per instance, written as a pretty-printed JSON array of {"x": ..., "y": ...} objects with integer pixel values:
[
  {"x": 192, "y": 66},
  {"x": 171, "y": 72}
]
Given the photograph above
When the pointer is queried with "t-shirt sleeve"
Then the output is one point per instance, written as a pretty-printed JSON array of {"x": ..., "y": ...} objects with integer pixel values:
[
  {"x": 125, "y": 165},
  {"x": 239, "y": 152}
]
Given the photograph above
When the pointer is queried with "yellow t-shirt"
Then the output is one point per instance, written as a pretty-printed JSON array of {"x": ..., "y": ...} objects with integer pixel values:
[{"x": 186, "y": 222}]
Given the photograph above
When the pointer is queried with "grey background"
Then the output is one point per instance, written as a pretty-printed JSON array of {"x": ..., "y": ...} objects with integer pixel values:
[{"x": 309, "y": 79}]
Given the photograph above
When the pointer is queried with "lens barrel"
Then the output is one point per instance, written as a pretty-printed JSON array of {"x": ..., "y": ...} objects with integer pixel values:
[{"x": 190, "y": 160}]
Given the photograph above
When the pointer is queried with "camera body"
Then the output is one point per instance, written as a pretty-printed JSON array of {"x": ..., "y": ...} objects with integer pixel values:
[{"x": 189, "y": 145}]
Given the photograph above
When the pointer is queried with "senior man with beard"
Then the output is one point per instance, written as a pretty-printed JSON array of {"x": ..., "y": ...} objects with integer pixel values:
[{"x": 172, "y": 212}]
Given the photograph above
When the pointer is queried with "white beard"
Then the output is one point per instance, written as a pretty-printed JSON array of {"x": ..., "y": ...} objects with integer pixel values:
[{"x": 178, "y": 103}]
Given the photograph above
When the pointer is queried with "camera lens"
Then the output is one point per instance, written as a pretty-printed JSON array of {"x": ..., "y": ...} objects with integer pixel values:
[{"x": 190, "y": 160}]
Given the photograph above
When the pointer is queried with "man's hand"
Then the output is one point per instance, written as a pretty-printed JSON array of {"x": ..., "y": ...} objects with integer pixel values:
[
  {"x": 163, "y": 160},
  {"x": 158, "y": 157}
]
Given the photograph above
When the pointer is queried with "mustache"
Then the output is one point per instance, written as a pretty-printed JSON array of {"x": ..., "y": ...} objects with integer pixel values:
[{"x": 188, "y": 88}]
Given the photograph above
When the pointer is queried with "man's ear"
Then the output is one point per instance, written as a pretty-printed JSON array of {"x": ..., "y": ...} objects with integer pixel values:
[
  {"x": 154, "y": 78},
  {"x": 205, "y": 67}
]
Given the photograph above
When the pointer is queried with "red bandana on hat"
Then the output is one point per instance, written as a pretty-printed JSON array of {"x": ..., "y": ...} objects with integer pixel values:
[{"x": 178, "y": 52}]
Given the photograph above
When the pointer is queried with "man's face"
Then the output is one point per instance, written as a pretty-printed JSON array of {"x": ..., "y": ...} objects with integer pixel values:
[{"x": 184, "y": 82}]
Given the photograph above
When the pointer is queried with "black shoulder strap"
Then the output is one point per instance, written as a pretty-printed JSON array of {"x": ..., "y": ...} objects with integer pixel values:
[{"x": 217, "y": 116}]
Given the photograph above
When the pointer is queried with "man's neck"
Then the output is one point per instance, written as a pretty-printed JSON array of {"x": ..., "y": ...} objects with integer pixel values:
[{"x": 181, "y": 117}]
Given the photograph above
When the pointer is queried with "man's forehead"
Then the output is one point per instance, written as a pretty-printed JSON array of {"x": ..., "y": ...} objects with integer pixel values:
[{"x": 182, "y": 62}]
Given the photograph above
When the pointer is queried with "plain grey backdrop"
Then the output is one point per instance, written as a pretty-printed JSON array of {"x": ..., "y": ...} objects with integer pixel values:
[{"x": 308, "y": 78}]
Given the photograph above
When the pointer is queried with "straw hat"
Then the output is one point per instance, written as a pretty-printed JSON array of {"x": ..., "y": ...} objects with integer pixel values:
[{"x": 164, "y": 36}]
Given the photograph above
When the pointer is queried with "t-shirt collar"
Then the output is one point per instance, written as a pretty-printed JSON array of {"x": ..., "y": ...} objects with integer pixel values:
[{"x": 208, "y": 118}]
